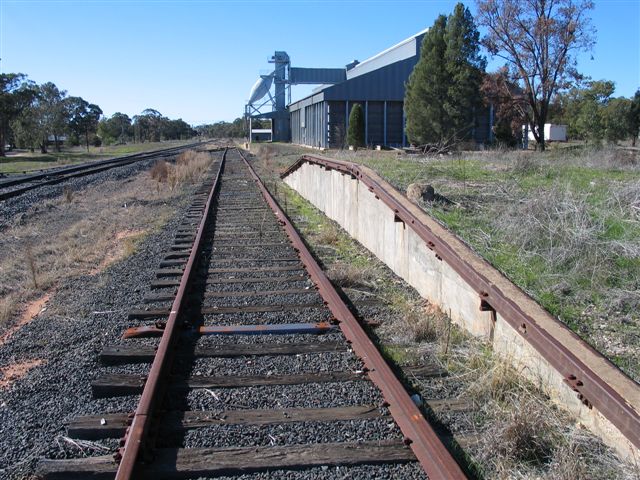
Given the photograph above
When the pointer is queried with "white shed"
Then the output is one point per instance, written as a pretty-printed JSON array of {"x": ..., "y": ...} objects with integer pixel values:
[{"x": 552, "y": 133}]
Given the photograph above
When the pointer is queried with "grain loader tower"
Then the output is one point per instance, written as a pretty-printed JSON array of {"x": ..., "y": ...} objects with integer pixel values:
[{"x": 262, "y": 104}]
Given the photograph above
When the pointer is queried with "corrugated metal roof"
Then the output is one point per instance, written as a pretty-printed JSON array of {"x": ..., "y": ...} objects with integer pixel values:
[
  {"x": 388, "y": 71},
  {"x": 400, "y": 51}
]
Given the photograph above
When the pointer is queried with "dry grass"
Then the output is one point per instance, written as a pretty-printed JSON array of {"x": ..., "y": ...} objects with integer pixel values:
[
  {"x": 329, "y": 235},
  {"x": 68, "y": 194},
  {"x": 347, "y": 275},
  {"x": 582, "y": 457},
  {"x": 74, "y": 239},
  {"x": 523, "y": 434},
  {"x": 558, "y": 226},
  {"x": 266, "y": 154},
  {"x": 160, "y": 171},
  {"x": 417, "y": 322},
  {"x": 8, "y": 305},
  {"x": 31, "y": 263},
  {"x": 190, "y": 168},
  {"x": 529, "y": 439}
]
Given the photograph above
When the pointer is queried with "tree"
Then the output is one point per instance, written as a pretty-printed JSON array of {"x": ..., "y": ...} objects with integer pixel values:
[
  {"x": 509, "y": 106},
  {"x": 117, "y": 128},
  {"x": 52, "y": 114},
  {"x": 355, "y": 132},
  {"x": 465, "y": 67},
  {"x": 634, "y": 118},
  {"x": 149, "y": 125},
  {"x": 584, "y": 110},
  {"x": 16, "y": 94},
  {"x": 538, "y": 39},
  {"x": 26, "y": 128},
  {"x": 83, "y": 117},
  {"x": 177, "y": 130},
  {"x": 235, "y": 129},
  {"x": 616, "y": 119},
  {"x": 443, "y": 91},
  {"x": 427, "y": 89}
]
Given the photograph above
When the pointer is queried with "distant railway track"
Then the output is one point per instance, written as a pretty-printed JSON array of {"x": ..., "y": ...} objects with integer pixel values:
[
  {"x": 245, "y": 331},
  {"x": 16, "y": 185}
]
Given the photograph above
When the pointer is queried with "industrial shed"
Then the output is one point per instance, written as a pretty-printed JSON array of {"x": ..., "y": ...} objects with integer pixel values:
[{"x": 321, "y": 119}]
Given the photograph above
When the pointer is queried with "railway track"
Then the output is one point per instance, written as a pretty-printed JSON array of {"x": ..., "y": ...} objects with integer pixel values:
[
  {"x": 245, "y": 359},
  {"x": 16, "y": 185}
]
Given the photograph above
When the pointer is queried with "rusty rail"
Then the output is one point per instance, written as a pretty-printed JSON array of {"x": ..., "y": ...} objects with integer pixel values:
[
  {"x": 137, "y": 433},
  {"x": 591, "y": 389},
  {"x": 419, "y": 435}
]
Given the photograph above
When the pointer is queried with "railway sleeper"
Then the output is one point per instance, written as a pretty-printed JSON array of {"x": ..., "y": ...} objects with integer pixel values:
[
  {"x": 195, "y": 462},
  {"x": 95, "y": 427},
  {"x": 145, "y": 353}
]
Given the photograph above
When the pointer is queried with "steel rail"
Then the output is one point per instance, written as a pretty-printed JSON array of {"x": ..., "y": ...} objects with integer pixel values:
[
  {"x": 434, "y": 457},
  {"x": 137, "y": 433},
  {"x": 591, "y": 389}
]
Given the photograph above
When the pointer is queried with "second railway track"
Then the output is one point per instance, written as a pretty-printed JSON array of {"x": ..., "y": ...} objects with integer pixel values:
[
  {"x": 245, "y": 359},
  {"x": 16, "y": 185}
]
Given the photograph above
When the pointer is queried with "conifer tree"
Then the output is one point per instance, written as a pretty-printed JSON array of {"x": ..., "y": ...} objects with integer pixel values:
[
  {"x": 465, "y": 67},
  {"x": 355, "y": 132},
  {"x": 443, "y": 90},
  {"x": 427, "y": 89}
]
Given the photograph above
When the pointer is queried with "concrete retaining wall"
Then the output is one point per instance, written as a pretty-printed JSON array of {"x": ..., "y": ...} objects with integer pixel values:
[{"x": 349, "y": 202}]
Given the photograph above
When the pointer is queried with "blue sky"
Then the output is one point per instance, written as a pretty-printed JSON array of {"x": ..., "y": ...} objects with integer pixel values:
[{"x": 198, "y": 59}]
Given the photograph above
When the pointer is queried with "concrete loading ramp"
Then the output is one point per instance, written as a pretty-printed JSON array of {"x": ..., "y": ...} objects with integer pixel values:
[{"x": 477, "y": 296}]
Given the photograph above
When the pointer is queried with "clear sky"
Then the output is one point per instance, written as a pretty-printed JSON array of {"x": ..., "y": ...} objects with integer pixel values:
[{"x": 197, "y": 60}]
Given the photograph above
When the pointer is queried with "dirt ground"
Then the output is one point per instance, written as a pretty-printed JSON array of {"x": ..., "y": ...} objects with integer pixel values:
[{"x": 71, "y": 235}]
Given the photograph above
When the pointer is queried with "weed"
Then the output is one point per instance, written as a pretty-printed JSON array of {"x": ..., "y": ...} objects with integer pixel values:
[
  {"x": 581, "y": 457},
  {"x": 524, "y": 435},
  {"x": 31, "y": 263},
  {"x": 266, "y": 154},
  {"x": 160, "y": 171},
  {"x": 186, "y": 157},
  {"x": 328, "y": 235},
  {"x": 347, "y": 275},
  {"x": 496, "y": 380},
  {"x": 131, "y": 244},
  {"x": 416, "y": 323},
  {"x": 7, "y": 308},
  {"x": 68, "y": 194},
  {"x": 190, "y": 168}
]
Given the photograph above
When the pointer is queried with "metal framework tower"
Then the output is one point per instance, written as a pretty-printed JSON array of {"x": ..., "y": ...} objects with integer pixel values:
[{"x": 282, "y": 77}]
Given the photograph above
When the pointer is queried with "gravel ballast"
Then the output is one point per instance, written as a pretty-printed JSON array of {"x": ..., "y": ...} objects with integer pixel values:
[
  {"x": 91, "y": 312},
  {"x": 85, "y": 314}
]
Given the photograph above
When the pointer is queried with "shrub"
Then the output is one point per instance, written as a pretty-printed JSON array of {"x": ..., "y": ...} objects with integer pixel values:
[
  {"x": 95, "y": 140},
  {"x": 355, "y": 133},
  {"x": 160, "y": 171},
  {"x": 190, "y": 167}
]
